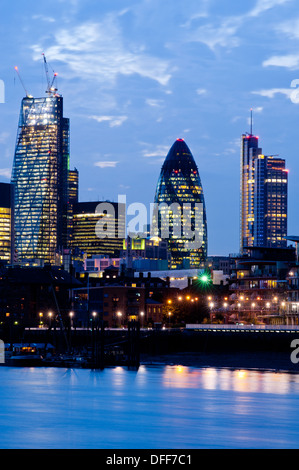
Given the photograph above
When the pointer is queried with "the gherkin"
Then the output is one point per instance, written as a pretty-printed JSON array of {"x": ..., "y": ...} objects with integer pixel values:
[{"x": 179, "y": 187}]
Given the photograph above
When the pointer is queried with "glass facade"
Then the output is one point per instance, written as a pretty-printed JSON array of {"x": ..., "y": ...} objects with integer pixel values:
[
  {"x": 40, "y": 178},
  {"x": 85, "y": 220},
  {"x": 249, "y": 150},
  {"x": 179, "y": 186},
  {"x": 6, "y": 222},
  {"x": 264, "y": 197},
  {"x": 73, "y": 196},
  {"x": 276, "y": 189}
]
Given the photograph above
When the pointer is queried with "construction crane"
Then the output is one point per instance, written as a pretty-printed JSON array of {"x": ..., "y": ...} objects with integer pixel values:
[
  {"x": 51, "y": 90},
  {"x": 27, "y": 94}
]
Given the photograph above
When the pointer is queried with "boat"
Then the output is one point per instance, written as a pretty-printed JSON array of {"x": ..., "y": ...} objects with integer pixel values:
[{"x": 24, "y": 356}]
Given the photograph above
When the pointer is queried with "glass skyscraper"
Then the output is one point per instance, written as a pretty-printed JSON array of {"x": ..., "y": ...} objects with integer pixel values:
[
  {"x": 180, "y": 187},
  {"x": 249, "y": 150},
  {"x": 264, "y": 197},
  {"x": 40, "y": 177}
]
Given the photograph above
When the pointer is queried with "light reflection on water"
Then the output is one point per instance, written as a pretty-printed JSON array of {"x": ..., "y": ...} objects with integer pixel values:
[{"x": 171, "y": 407}]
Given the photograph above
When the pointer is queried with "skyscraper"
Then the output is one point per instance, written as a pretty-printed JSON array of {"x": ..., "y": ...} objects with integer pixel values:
[
  {"x": 249, "y": 150},
  {"x": 264, "y": 197},
  {"x": 276, "y": 189},
  {"x": 180, "y": 187},
  {"x": 40, "y": 178}
]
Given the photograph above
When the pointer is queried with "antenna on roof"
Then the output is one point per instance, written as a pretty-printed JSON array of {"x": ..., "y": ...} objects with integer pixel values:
[{"x": 251, "y": 122}]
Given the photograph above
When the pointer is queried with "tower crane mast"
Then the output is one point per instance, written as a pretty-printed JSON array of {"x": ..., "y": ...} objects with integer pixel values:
[
  {"x": 27, "y": 94},
  {"x": 51, "y": 90}
]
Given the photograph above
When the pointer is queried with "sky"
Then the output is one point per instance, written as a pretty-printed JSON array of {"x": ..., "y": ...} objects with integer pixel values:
[{"x": 138, "y": 74}]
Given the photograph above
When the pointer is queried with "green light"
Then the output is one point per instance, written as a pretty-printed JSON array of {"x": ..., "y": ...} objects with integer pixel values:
[{"x": 204, "y": 278}]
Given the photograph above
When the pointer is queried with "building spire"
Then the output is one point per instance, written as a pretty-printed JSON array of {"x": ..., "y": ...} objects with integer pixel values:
[{"x": 251, "y": 122}]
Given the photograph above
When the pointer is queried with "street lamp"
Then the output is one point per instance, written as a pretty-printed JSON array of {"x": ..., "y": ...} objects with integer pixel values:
[
  {"x": 119, "y": 314},
  {"x": 142, "y": 315},
  {"x": 169, "y": 315},
  {"x": 71, "y": 317}
]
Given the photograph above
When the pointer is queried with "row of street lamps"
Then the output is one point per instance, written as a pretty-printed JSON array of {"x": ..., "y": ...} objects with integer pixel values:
[{"x": 94, "y": 315}]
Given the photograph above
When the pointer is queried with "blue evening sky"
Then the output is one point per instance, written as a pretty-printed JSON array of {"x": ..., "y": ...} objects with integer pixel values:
[{"x": 137, "y": 74}]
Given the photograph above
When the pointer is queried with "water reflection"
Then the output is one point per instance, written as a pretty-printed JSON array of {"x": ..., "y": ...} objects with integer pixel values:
[
  {"x": 170, "y": 407},
  {"x": 230, "y": 380}
]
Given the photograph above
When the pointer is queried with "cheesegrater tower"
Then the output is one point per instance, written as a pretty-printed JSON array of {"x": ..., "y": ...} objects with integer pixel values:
[{"x": 40, "y": 177}]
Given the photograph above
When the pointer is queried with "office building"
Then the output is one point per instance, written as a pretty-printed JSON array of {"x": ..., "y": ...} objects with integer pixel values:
[
  {"x": 40, "y": 178},
  {"x": 73, "y": 186},
  {"x": 6, "y": 223},
  {"x": 145, "y": 254},
  {"x": 179, "y": 187},
  {"x": 73, "y": 198},
  {"x": 88, "y": 220}
]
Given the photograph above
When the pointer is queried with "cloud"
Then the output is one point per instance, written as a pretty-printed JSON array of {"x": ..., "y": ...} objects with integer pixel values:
[
  {"x": 47, "y": 19},
  {"x": 258, "y": 109},
  {"x": 271, "y": 93},
  {"x": 159, "y": 151},
  {"x": 6, "y": 172},
  {"x": 265, "y": 5},
  {"x": 290, "y": 61},
  {"x": 106, "y": 164},
  {"x": 289, "y": 28},
  {"x": 201, "y": 91},
  {"x": 224, "y": 33},
  {"x": 114, "y": 121},
  {"x": 98, "y": 52},
  {"x": 154, "y": 103}
]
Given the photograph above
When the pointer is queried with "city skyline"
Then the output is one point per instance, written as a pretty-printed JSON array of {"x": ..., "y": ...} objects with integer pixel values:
[{"x": 135, "y": 77}]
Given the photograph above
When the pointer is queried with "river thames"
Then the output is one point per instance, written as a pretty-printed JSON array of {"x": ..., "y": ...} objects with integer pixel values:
[{"x": 156, "y": 407}]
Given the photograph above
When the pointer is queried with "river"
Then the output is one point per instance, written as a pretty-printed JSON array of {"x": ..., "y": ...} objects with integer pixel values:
[{"x": 156, "y": 407}]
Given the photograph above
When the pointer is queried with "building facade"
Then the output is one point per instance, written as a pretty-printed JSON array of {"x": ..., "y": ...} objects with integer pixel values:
[
  {"x": 263, "y": 197},
  {"x": 86, "y": 218},
  {"x": 249, "y": 150},
  {"x": 179, "y": 188},
  {"x": 145, "y": 254},
  {"x": 40, "y": 178},
  {"x": 6, "y": 223}
]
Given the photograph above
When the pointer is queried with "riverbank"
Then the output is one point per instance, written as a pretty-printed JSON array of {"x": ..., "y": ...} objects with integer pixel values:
[{"x": 263, "y": 361}]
